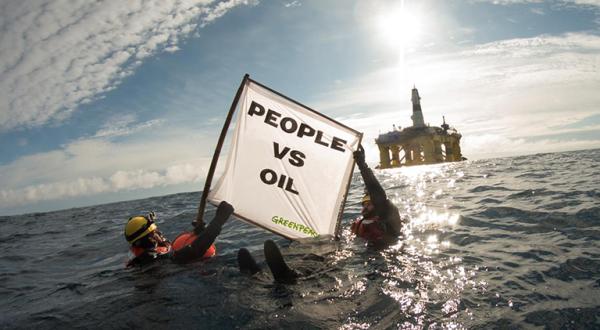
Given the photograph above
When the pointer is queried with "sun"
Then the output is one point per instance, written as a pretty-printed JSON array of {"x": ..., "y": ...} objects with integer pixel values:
[{"x": 399, "y": 27}]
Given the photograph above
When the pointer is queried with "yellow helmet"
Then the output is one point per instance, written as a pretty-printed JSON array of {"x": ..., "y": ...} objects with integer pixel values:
[{"x": 138, "y": 227}]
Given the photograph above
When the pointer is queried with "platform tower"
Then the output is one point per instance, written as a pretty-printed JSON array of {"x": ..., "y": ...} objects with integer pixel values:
[{"x": 417, "y": 116}]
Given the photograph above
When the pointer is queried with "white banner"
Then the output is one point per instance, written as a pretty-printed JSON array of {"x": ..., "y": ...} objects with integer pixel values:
[{"x": 289, "y": 167}]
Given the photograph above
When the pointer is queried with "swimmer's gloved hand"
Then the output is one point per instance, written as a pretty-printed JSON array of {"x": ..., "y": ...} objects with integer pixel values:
[
  {"x": 224, "y": 210},
  {"x": 359, "y": 156}
]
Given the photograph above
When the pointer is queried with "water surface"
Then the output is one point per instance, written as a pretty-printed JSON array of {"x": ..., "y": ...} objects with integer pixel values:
[{"x": 500, "y": 243}]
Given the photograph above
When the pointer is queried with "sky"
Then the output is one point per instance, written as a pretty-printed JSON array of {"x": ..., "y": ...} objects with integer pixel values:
[{"x": 113, "y": 100}]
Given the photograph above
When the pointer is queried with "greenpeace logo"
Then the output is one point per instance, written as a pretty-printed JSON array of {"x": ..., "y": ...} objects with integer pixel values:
[{"x": 295, "y": 226}]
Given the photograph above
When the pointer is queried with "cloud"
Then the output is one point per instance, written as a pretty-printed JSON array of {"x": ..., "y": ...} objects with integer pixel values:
[
  {"x": 514, "y": 2},
  {"x": 508, "y": 2},
  {"x": 586, "y": 123},
  {"x": 292, "y": 4},
  {"x": 86, "y": 186},
  {"x": 221, "y": 9},
  {"x": 585, "y": 2},
  {"x": 122, "y": 125},
  {"x": 540, "y": 46},
  {"x": 538, "y": 11},
  {"x": 176, "y": 174},
  {"x": 95, "y": 165},
  {"x": 57, "y": 55}
]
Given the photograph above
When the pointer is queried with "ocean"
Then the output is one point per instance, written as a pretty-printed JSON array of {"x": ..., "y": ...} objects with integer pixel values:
[{"x": 488, "y": 244}]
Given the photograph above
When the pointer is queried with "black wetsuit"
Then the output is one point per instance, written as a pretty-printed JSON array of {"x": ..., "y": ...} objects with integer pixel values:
[{"x": 194, "y": 251}]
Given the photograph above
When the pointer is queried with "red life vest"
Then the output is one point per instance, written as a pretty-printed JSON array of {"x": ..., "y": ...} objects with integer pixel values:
[
  {"x": 160, "y": 250},
  {"x": 369, "y": 229}
]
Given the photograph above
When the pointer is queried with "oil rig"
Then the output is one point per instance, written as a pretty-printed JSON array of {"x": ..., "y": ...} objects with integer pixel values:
[{"x": 418, "y": 144}]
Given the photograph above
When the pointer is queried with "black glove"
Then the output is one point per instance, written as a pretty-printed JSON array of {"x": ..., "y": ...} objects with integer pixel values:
[
  {"x": 224, "y": 210},
  {"x": 359, "y": 156}
]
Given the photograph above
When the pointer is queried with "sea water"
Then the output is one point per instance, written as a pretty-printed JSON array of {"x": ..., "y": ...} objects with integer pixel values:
[{"x": 495, "y": 243}]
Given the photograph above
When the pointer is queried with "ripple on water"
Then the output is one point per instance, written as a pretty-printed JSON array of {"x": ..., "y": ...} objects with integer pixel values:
[
  {"x": 502, "y": 323},
  {"x": 487, "y": 201},
  {"x": 535, "y": 175},
  {"x": 563, "y": 204},
  {"x": 567, "y": 318},
  {"x": 479, "y": 189},
  {"x": 590, "y": 215},
  {"x": 530, "y": 194},
  {"x": 535, "y": 255},
  {"x": 12, "y": 258},
  {"x": 575, "y": 269}
]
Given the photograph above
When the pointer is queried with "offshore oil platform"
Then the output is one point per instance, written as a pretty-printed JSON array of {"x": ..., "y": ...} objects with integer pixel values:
[{"x": 418, "y": 144}]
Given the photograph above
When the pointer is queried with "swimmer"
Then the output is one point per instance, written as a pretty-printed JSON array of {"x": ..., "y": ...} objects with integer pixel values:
[
  {"x": 148, "y": 244},
  {"x": 380, "y": 224}
]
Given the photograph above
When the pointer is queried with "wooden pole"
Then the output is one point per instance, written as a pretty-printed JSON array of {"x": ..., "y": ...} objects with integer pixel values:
[{"x": 213, "y": 165}]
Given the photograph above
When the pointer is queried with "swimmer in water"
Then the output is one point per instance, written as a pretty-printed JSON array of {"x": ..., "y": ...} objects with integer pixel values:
[
  {"x": 380, "y": 224},
  {"x": 148, "y": 244}
]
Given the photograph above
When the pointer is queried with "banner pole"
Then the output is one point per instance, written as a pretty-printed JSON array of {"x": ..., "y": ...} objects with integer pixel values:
[
  {"x": 338, "y": 228},
  {"x": 213, "y": 163}
]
